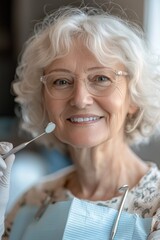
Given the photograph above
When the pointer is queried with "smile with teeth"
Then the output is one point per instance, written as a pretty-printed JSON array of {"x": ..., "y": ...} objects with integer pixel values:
[{"x": 84, "y": 119}]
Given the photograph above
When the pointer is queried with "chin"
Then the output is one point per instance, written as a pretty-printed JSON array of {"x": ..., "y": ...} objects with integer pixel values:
[
  {"x": 84, "y": 143},
  {"x": 83, "y": 139}
]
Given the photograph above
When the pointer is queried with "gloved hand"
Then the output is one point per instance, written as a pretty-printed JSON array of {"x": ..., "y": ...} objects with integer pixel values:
[{"x": 5, "y": 171}]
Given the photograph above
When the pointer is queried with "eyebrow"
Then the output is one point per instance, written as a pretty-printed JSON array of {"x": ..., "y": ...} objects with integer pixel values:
[
  {"x": 68, "y": 71},
  {"x": 59, "y": 70}
]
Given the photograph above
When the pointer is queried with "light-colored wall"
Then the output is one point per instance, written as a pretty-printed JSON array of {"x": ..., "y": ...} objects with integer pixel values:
[
  {"x": 134, "y": 8},
  {"x": 25, "y": 13}
]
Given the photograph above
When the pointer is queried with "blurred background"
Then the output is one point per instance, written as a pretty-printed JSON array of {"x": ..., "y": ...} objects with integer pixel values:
[{"x": 17, "y": 20}]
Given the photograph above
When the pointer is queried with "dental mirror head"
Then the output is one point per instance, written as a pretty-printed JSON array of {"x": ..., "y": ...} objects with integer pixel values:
[{"x": 50, "y": 127}]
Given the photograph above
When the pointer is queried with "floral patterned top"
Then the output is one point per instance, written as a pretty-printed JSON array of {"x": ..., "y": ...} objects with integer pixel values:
[{"x": 143, "y": 199}]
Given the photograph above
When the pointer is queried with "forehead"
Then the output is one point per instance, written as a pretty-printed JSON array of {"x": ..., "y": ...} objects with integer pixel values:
[
  {"x": 80, "y": 58},
  {"x": 78, "y": 55}
]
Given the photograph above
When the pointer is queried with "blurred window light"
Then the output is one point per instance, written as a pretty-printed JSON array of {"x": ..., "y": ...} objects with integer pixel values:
[{"x": 151, "y": 23}]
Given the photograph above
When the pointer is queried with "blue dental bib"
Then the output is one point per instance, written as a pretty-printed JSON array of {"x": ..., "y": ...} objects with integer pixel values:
[{"x": 78, "y": 220}]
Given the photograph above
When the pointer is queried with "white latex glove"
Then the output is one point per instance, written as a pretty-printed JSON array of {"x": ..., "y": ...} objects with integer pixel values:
[{"x": 5, "y": 171}]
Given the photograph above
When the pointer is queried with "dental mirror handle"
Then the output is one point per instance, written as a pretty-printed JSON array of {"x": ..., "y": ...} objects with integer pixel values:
[
  {"x": 50, "y": 127},
  {"x": 20, "y": 147}
]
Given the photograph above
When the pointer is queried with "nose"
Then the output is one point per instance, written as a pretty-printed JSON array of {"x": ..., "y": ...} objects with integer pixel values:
[{"x": 81, "y": 97}]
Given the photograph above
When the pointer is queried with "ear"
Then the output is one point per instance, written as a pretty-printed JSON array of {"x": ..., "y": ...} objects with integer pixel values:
[{"x": 132, "y": 108}]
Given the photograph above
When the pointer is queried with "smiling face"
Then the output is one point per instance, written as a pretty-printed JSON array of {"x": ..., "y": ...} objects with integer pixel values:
[{"x": 84, "y": 119}]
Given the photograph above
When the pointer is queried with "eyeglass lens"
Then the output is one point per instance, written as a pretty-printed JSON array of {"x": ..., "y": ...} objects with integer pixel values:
[{"x": 98, "y": 85}]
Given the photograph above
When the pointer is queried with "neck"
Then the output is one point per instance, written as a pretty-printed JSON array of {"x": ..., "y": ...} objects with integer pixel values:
[{"x": 101, "y": 170}]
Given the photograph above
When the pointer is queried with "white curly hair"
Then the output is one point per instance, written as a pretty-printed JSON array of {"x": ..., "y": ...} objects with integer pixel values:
[{"x": 105, "y": 35}]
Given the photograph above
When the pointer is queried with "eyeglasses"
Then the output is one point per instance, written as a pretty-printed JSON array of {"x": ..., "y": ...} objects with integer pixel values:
[{"x": 62, "y": 85}]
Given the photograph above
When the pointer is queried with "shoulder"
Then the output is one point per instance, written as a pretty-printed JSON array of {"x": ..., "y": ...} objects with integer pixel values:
[
  {"x": 148, "y": 188},
  {"x": 151, "y": 180},
  {"x": 143, "y": 199},
  {"x": 53, "y": 183},
  {"x": 151, "y": 184}
]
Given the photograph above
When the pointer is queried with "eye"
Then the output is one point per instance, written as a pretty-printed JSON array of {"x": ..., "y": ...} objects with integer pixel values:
[
  {"x": 58, "y": 83},
  {"x": 102, "y": 80}
]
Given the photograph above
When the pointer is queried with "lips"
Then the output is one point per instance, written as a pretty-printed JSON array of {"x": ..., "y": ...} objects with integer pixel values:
[{"x": 84, "y": 119}]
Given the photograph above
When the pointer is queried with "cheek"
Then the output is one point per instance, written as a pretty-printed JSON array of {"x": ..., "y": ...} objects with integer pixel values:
[
  {"x": 120, "y": 98},
  {"x": 116, "y": 105},
  {"x": 113, "y": 104},
  {"x": 55, "y": 111},
  {"x": 51, "y": 108}
]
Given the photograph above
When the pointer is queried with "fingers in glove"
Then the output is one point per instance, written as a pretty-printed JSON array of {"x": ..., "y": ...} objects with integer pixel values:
[
  {"x": 2, "y": 164},
  {"x": 5, "y": 166},
  {"x": 5, "y": 174},
  {"x": 9, "y": 161},
  {"x": 5, "y": 147}
]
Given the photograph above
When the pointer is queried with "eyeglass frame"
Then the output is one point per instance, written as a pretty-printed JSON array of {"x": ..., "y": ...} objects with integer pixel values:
[{"x": 44, "y": 81}]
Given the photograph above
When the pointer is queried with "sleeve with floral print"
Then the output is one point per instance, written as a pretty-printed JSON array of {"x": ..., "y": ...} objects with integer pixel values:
[{"x": 155, "y": 228}]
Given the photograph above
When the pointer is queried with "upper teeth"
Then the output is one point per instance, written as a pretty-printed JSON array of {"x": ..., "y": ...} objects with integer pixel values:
[{"x": 86, "y": 119}]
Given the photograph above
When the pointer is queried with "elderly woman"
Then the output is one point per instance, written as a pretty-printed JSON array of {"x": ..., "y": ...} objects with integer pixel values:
[{"x": 91, "y": 74}]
